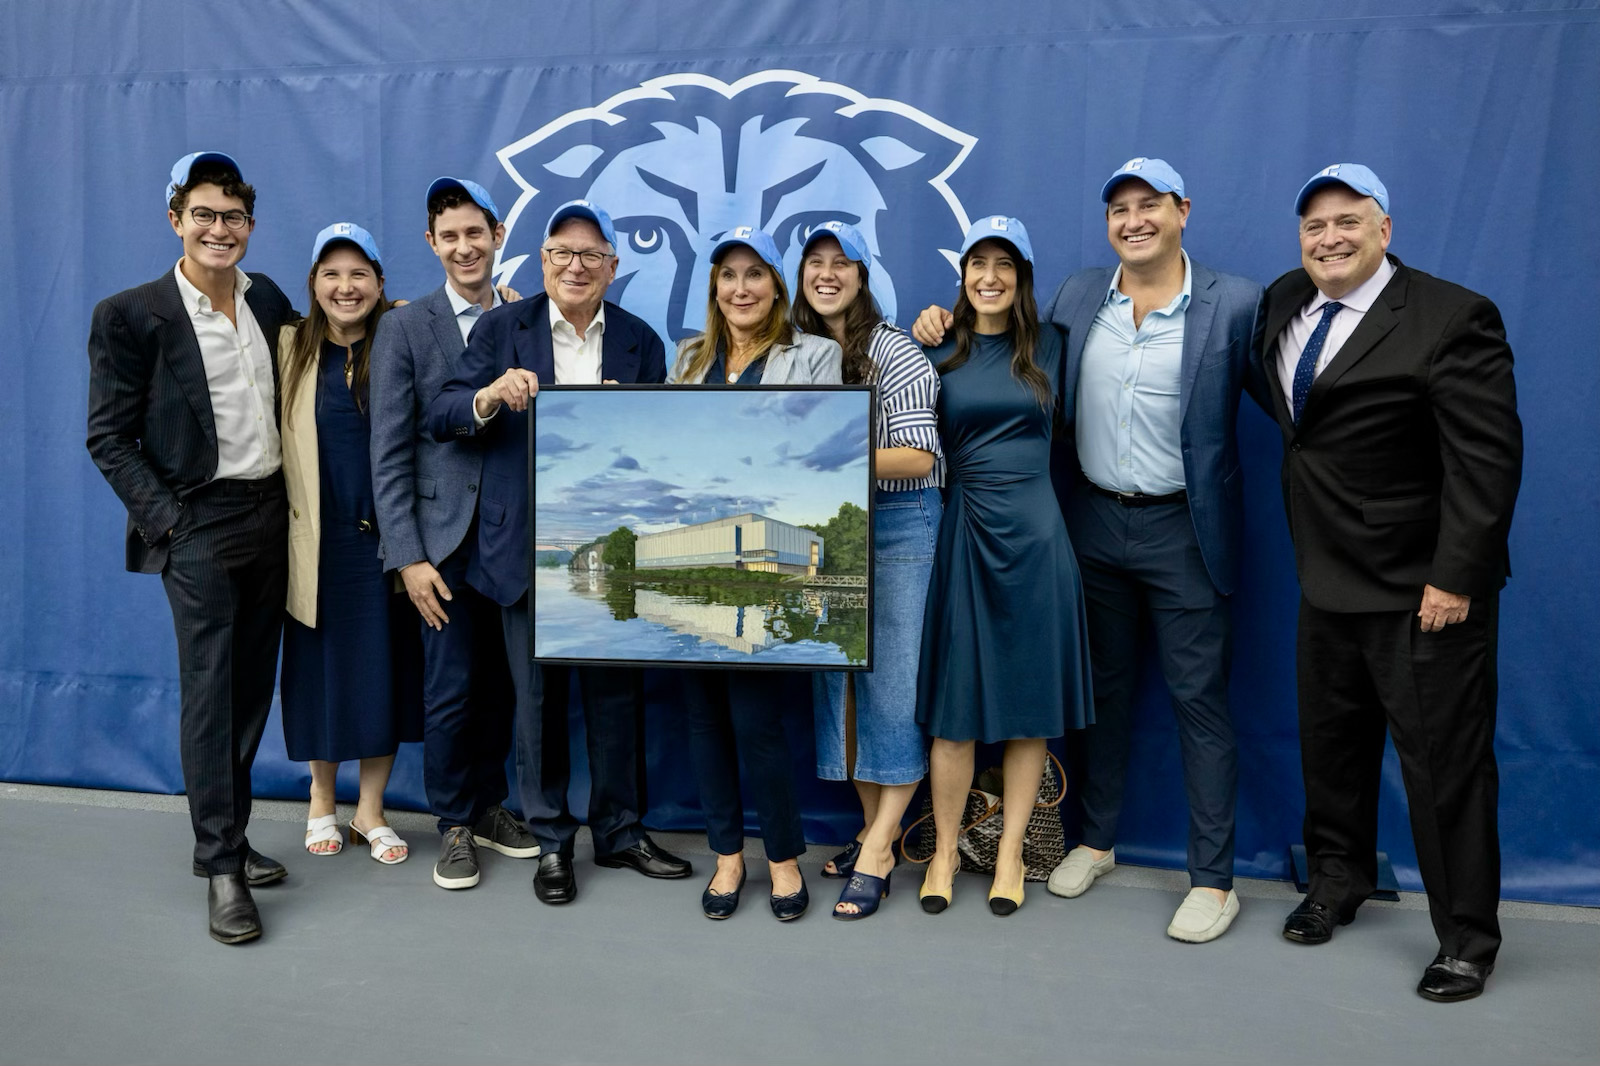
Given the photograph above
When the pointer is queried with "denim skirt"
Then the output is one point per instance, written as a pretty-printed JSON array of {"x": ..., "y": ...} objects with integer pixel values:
[{"x": 890, "y": 747}]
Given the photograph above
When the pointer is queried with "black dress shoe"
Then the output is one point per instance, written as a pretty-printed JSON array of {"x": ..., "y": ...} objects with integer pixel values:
[
  {"x": 1311, "y": 923},
  {"x": 1448, "y": 980},
  {"x": 555, "y": 881},
  {"x": 788, "y": 908},
  {"x": 258, "y": 869},
  {"x": 648, "y": 859},
  {"x": 234, "y": 918},
  {"x": 720, "y": 905}
]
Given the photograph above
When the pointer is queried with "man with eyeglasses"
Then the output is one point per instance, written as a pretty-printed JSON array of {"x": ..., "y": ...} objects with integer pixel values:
[
  {"x": 568, "y": 336},
  {"x": 183, "y": 423},
  {"x": 426, "y": 496}
]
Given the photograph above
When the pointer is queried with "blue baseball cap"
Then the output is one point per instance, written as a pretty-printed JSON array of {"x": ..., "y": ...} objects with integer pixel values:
[
  {"x": 583, "y": 209},
  {"x": 999, "y": 227},
  {"x": 1351, "y": 175},
  {"x": 350, "y": 233},
  {"x": 180, "y": 169},
  {"x": 1157, "y": 173},
  {"x": 851, "y": 242},
  {"x": 758, "y": 241},
  {"x": 479, "y": 194}
]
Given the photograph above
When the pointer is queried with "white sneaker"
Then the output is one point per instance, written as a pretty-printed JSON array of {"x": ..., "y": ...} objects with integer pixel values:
[
  {"x": 1075, "y": 873},
  {"x": 1201, "y": 918}
]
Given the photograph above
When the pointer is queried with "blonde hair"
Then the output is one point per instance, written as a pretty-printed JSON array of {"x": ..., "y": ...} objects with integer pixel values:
[{"x": 699, "y": 352}]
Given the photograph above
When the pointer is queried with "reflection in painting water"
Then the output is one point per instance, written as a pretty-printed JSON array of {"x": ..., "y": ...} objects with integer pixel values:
[{"x": 611, "y": 615}]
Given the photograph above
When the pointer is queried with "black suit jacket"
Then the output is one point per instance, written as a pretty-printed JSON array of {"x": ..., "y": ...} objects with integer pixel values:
[
  {"x": 1404, "y": 468},
  {"x": 519, "y": 335},
  {"x": 151, "y": 429}
]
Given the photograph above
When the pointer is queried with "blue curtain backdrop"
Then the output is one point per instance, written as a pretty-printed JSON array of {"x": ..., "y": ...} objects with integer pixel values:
[{"x": 915, "y": 115}]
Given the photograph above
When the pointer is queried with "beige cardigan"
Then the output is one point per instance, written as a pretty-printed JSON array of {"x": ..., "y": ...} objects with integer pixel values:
[{"x": 302, "y": 477}]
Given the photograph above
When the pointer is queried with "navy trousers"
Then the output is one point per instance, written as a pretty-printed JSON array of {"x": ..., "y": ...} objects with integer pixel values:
[
  {"x": 227, "y": 578},
  {"x": 737, "y": 716},
  {"x": 611, "y": 699},
  {"x": 467, "y": 701},
  {"x": 1143, "y": 563}
]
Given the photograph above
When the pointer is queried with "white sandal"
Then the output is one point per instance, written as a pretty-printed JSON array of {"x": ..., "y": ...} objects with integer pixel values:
[
  {"x": 324, "y": 830},
  {"x": 380, "y": 838}
]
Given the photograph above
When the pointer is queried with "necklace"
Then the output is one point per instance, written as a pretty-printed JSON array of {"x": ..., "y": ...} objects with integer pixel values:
[{"x": 349, "y": 366}]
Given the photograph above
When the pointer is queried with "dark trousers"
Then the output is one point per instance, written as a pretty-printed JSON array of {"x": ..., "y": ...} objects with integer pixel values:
[
  {"x": 1435, "y": 693},
  {"x": 1139, "y": 563},
  {"x": 611, "y": 700},
  {"x": 734, "y": 716},
  {"x": 226, "y": 578},
  {"x": 467, "y": 701}
]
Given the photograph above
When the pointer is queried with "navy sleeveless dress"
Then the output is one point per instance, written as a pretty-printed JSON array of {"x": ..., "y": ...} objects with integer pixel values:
[
  {"x": 351, "y": 687},
  {"x": 1005, "y": 645}
]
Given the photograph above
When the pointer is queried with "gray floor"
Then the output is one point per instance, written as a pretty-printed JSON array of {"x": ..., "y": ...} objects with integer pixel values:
[{"x": 104, "y": 958}]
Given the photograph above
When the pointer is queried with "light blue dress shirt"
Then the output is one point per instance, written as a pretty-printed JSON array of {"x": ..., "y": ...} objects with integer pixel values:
[{"x": 1129, "y": 387}]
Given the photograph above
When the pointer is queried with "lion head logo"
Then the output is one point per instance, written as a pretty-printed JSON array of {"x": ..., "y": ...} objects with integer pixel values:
[{"x": 682, "y": 159}]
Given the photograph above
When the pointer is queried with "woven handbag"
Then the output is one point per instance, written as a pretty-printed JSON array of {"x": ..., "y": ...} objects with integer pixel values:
[{"x": 1043, "y": 843}]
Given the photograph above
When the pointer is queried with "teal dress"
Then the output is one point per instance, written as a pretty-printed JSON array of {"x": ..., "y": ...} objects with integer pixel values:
[{"x": 1005, "y": 646}]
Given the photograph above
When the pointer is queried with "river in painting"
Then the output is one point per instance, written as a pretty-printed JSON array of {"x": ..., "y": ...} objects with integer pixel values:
[{"x": 633, "y": 617}]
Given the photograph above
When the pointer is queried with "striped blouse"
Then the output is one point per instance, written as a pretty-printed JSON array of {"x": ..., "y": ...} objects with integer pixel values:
[{"x": 907, "y": 389}]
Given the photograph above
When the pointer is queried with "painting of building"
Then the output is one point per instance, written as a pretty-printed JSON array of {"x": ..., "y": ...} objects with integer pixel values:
[{"x": 747, "y": 541}]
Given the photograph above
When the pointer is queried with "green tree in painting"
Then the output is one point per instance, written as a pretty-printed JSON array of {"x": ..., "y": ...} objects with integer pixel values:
[
  {"x": 619, "y": 548},
  {"x": 844, "y": 541}
]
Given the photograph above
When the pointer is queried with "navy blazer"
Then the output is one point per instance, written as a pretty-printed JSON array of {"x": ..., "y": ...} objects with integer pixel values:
[
  {"x": 425, "y": 492},
  {"x": 1217, "y": 332},
  {"x": 152, "y": 432},
  {"x": 519, "y": 335}
]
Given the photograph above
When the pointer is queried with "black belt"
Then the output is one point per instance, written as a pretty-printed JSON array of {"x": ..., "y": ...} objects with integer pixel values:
[{"x": 1139, "y": 499}]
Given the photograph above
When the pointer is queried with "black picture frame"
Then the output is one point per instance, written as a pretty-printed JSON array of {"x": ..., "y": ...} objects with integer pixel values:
[{"x": 832, "y": 597}]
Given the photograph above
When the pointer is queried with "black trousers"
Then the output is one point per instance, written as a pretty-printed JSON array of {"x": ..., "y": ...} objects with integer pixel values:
[
  {"x": 467, "y": 701},
  {"x": 1435, "y": 693},
  {"x": 611, "y": 699},
  {"x": 1142, "y": 563},
  {"x": 736, "y": 716},
  {"x": 226, "y": 578}
]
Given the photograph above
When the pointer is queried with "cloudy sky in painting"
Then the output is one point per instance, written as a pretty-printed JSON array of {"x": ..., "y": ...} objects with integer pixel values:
[{"x": 654, "y": 459}]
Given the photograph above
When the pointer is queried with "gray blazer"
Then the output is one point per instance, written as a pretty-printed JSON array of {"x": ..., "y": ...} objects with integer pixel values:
[
  {"x": 808, "y": 361},
  {"x": 426, "y": 492}
]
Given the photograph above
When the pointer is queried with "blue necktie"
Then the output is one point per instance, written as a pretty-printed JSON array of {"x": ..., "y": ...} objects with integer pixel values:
[{"x": 1306, "y": 370}]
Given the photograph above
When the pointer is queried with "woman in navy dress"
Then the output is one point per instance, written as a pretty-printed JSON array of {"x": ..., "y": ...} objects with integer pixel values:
[
  {"x": 866, "y": 723},
  {"x": 352, "y": 683},
  {"x": 736, "y": 715},
  {"x": 1005, "y": 637}
]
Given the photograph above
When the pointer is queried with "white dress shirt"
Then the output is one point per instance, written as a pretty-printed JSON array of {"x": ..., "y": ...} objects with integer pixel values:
[
  {"x": 577, "y": 361},
  {"x": 1356, "y": 303},
  {"x": 467, "y": 312},
  {"x": 239, "y": 377}
]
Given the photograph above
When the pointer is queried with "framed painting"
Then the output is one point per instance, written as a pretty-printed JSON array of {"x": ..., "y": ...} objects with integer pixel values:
[{"x": 703, "y": 525}]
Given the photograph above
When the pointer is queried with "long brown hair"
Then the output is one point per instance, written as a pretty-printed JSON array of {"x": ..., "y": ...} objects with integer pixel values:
[
  {"x": 309, "y": 332},
  {"x": 697, "y": 357},
  {"x": 860, "y": 319},
  {"x": 1022, "y": 330}
]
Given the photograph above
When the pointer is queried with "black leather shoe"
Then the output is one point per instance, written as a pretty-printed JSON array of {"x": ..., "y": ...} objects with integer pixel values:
[
  {"x": 788, "y": 908},
  {"x": 1311, "y": 923},
  {"x": 1448, "y": 980},
  {"x": 258, "y": 869},
  {"x": 648, "y": 859},
  {"x": 555, "y": 881},
  {"x": 234, "y": 918},
  {"x": 720, "y": 905}
]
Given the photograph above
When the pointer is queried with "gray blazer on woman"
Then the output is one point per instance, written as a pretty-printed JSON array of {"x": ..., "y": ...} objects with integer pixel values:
[{"x": 808, "y": 361}]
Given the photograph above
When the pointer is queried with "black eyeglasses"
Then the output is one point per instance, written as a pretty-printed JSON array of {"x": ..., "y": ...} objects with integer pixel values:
[
  {"x": 204, "y": 216},
  {"x": 563, "y": 257}
]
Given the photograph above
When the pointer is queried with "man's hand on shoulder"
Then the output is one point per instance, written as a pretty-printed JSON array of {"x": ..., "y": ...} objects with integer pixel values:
[
  {"x": 508, "y": 294},
  {"x": 930, "y": 326},
  {"x": 1440, "y": 608},
  {"x": 426, "y": 588}
]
